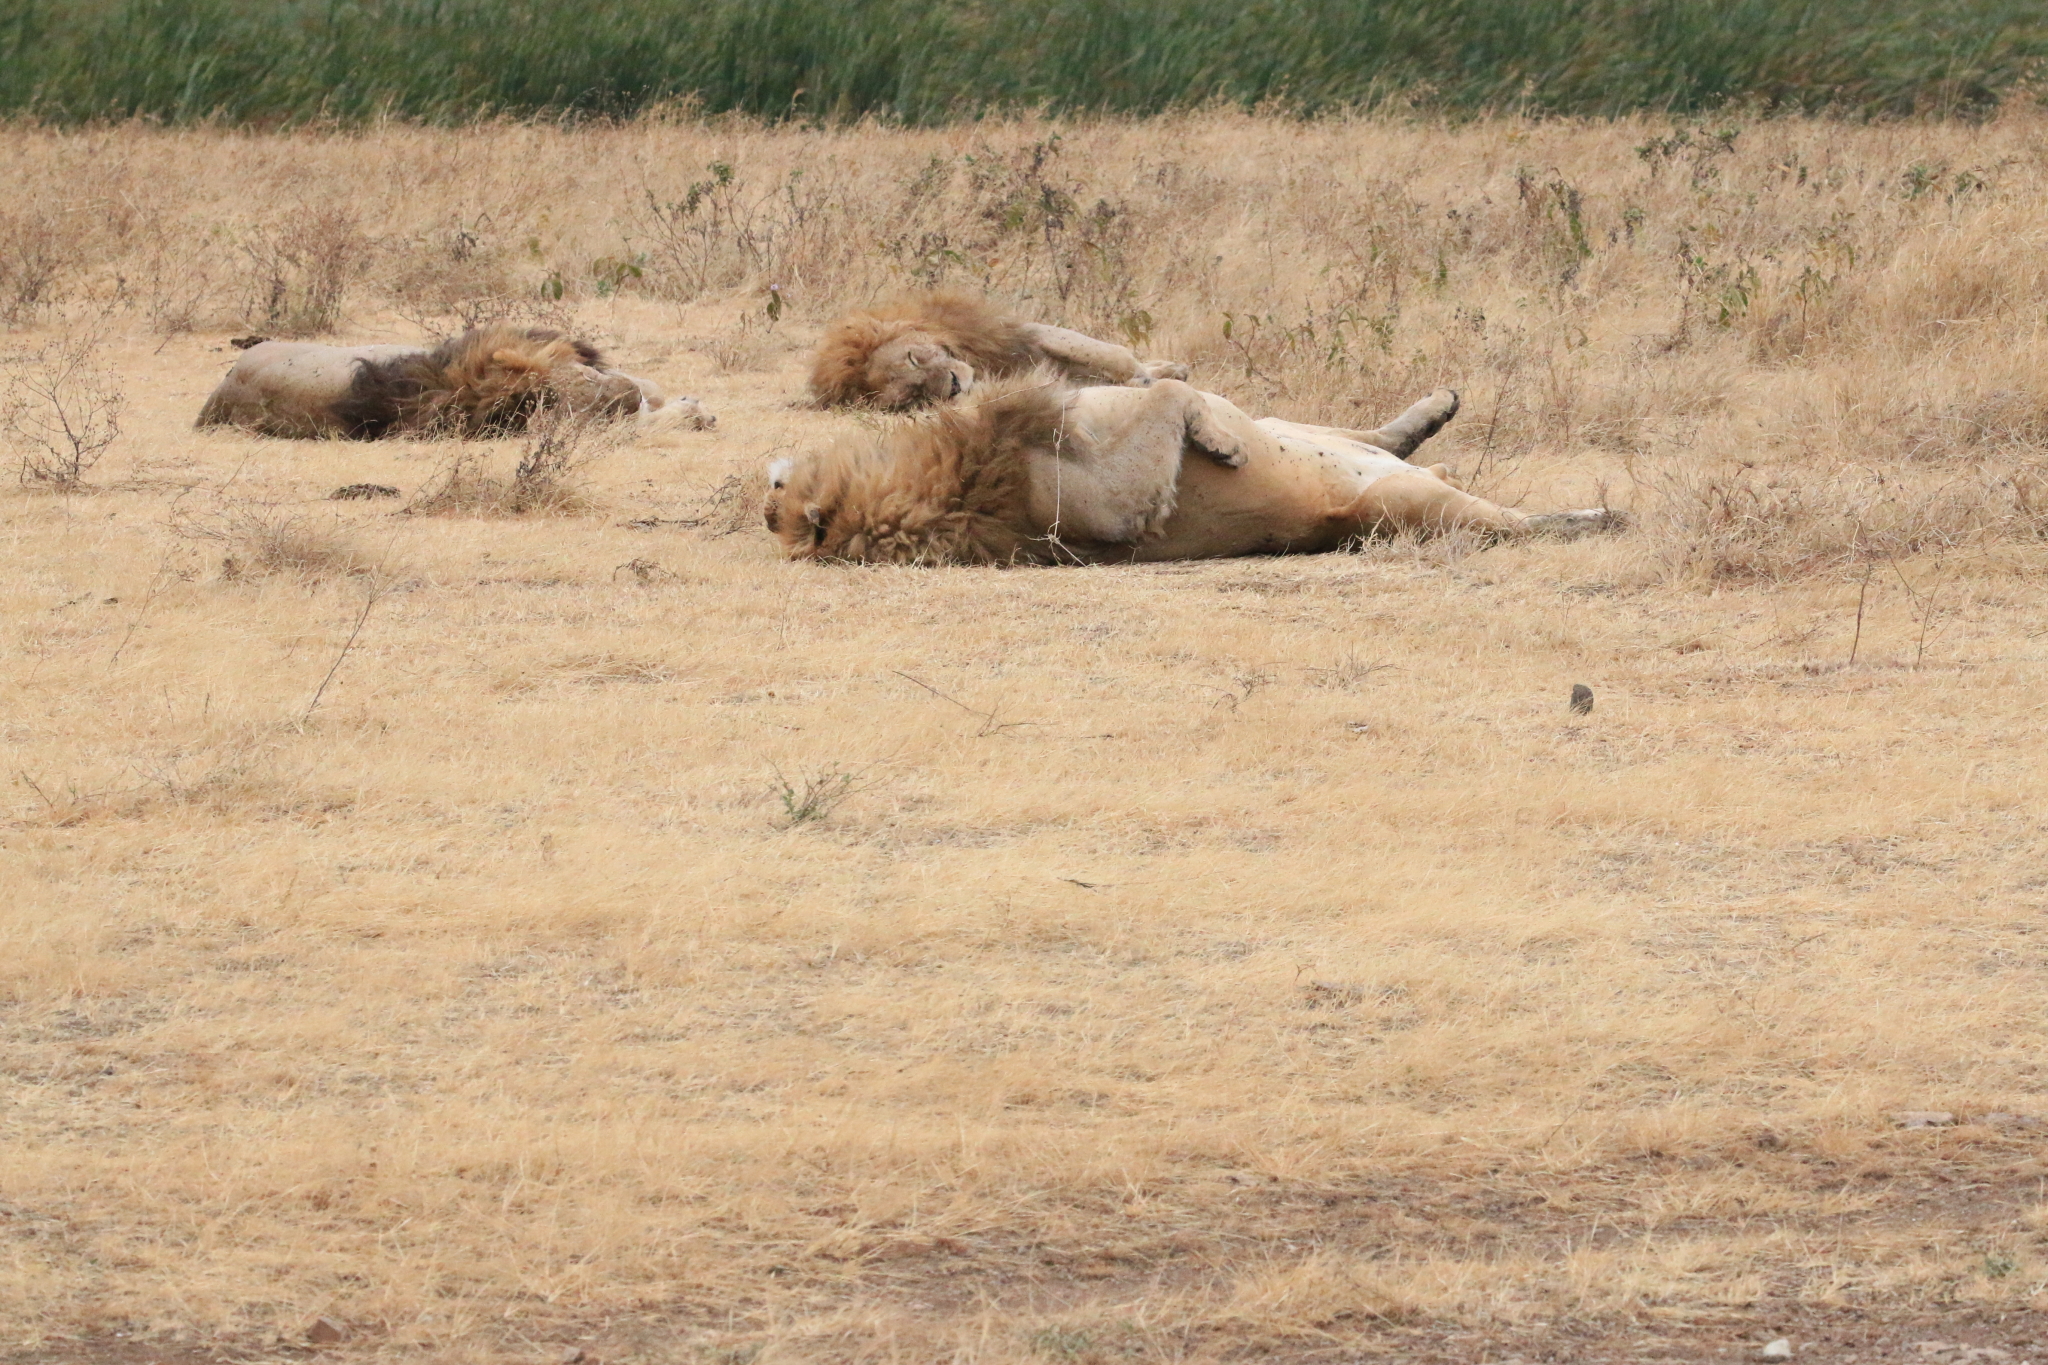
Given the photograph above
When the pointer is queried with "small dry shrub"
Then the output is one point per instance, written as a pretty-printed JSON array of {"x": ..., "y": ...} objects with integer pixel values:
[
  {"x": 236, "y": 772},
  {"x": 304, "y": 264},
  {"x": 734, "y": 506},
  {"x": 1736, "y": 522},
  {"x": 547, "y": 481},
  {"x": 37, "y": 249},
  {"x": 258, "y": 540},
  {"x": 61, "y": 409},
  {"x": 459, "y": 270},
  {"x": 747, "y": 348}
]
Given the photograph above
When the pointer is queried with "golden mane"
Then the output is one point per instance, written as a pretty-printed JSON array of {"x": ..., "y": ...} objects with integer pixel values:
[
  {"x": 951, "y": 487},
  {"x": 993, "y": 342}
]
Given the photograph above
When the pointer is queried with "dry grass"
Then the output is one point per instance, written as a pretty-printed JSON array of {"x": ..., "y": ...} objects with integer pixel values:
[{"x": 416, "y": 926}]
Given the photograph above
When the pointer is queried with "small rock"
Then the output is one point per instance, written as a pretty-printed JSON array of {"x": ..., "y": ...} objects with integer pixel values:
[
  {"x": 1781, "y": 1349},
  {"x": 1582, "y": 699},
  {"x": 326, "y": 1332},
  {"x": 362, "y": 490},
  {"x": 571, "y": 1355},
  {"x": 1923, "y": 1118}
]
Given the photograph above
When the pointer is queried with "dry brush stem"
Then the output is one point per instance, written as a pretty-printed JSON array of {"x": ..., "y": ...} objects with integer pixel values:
[
  {"x": 548, "y": 479},
  {"x": 60, "y": 409}
]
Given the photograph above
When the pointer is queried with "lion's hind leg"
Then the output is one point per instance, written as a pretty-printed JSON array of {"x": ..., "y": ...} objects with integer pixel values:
[
  {"x": 1114, "y": 477},
  {"x": 1204, "y": 432},
  {"x": 1427, "y": 504},
  {"x": 1422, "y": 502},
  {"x": 1405, "y": 434}
]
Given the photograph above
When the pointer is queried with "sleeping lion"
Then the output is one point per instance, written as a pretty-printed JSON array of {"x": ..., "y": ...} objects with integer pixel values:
[
  {"x": 488, "y": 381},
  {"x": 1041, "y": 472},
  {"x": 935, "y": 347}
]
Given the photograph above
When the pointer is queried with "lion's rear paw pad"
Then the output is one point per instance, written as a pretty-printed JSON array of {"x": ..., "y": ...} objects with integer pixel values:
[{"x": 1585, "y": 521}]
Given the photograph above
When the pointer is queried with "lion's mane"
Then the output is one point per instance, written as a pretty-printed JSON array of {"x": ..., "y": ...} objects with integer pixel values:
[
  {"x": 950, "y": 487},
  {"x": 993, "y": 342},
  {"x": 487, "y": 381}
]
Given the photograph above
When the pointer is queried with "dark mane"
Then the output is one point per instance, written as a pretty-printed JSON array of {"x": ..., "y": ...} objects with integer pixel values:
[{"x": 460, "y": 384}]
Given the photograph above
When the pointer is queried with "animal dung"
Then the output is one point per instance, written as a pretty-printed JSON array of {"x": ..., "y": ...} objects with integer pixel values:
[
  {"x": 1582, "y": 699},
  {"x": 327, "y": 1332}
]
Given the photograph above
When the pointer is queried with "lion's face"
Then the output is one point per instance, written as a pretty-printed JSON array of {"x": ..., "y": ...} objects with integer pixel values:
[
  {"x": 913, "y": 372},
  {"x": 805, "y": 498},
  {"x": 793, "y": 515}
]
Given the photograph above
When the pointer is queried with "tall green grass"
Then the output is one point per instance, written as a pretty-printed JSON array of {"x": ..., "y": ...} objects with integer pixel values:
[{"x": 928, "y": 60}]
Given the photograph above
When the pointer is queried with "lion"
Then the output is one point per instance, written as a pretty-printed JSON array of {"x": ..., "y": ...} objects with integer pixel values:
[
  {"x": 1042, "y": 472},
  {"x": 935, "y": 347},
  {"x": 487, "y": 381}
]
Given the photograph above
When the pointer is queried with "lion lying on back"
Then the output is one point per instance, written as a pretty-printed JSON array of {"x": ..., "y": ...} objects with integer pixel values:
[
  {"x": 1039, "y": 472},
  {"x": 935, "y": 347},
  {"x": 488, "y": 381}
]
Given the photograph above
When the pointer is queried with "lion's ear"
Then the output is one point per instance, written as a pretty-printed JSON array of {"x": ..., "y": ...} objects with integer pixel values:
[{"x": 814, "y": 514}]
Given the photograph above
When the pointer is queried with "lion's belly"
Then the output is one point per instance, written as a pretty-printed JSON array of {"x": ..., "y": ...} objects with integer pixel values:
[{"x": 1297, "y": 494}]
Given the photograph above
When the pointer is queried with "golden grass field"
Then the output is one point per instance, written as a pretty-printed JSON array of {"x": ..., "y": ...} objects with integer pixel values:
[{"x": 652, "y": 946}]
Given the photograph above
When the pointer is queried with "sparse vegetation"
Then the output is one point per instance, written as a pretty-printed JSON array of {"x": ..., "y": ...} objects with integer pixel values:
[
  {"x": 1256, "y": 959},
  {"x": 923, "y": 61},
  {"x": 255, "y": 540},
  {"x": 812, "y": 796},
  {"x": 547, "y": 480}
]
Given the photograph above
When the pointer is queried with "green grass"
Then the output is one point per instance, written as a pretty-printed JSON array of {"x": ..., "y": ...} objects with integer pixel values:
[{"x": 915, "y": 60}]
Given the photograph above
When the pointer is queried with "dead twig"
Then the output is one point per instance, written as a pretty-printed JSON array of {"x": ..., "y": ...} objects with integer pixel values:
[
  {"x": 157, "y": 583},
  {"x": 371, "y": 597},
  {"x": 1862, "y": 592},
  {"x": 991, "y": 722}
]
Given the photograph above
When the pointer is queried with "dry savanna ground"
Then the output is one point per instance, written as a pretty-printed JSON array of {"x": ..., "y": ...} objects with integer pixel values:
[{"x": 518, "y": 917}]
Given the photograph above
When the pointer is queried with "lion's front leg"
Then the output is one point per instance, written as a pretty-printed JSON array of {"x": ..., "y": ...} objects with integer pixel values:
[{"x": 1088, "y": 360}]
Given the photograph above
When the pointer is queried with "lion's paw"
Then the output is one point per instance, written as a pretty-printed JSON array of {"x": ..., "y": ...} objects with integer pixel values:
[
  {"x": 1584, "y": 521},
  {"x": 1216, "y": 442},
  {"x": 1164, "y": 369},
  {"x": 677, "y": 414},
  {"x": 1231, "y": 455}
]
